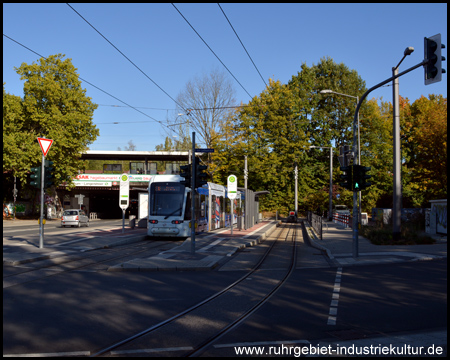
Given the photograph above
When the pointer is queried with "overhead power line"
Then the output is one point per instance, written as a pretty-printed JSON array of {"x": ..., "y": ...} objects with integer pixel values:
[
  {"x": 234, "y": 77},
  {"x": 115, "y": 47},
  {"x": 114, "y": 97},
  {"x": 242, "y": 44}
]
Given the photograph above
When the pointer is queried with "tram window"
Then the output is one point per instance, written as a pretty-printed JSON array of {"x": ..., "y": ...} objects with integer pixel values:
[
  {"x": 187, "y": 211},
  {"x": 166, "y": 199}
]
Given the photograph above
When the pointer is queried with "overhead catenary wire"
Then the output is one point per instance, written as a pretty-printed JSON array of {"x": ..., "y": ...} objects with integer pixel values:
[
  {"x": 87, "y": 82},
  {"x": 234, "y": 77},
  {"x": 226, "y": 17},
  {"x": 137, "y": 67}
]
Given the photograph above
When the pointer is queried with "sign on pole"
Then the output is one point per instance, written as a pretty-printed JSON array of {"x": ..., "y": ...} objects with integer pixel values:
[
  {"x": 124, "y": 196},
  {"x": 232, "y": 187},
  {"x": 232, "y": 193},
  {"x": 45, "y": 145}
]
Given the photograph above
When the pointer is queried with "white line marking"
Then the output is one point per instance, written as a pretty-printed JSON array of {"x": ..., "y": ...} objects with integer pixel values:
[
  {"x": 71, "y": 241},
  {"x": 260, "y": 343},
  {"x": 335, "y": 298},
  {"x": 72, "y": 353},
  {"x": 123, "y": 352},
  {"x": 214, "y": 243}
]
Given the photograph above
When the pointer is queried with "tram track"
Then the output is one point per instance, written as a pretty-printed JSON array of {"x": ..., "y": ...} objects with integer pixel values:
[
  {"x": 193, "y": 330},
  {"x": 80, "y": 261}
]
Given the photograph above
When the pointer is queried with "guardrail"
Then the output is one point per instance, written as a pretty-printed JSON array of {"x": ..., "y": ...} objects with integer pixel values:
[
  {"x": 316, "y": 223},
  {"x": 343, "y": 219}
]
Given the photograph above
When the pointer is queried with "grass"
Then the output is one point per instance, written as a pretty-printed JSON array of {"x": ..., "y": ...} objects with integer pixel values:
[{"x": 411, "y": 234}]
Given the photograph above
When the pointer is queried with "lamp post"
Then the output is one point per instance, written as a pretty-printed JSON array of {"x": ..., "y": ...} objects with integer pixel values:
[
  {"x": 397, "y": 200},
  {"x": 359, "y": 140},
  {"x": 330, "y": 210}
]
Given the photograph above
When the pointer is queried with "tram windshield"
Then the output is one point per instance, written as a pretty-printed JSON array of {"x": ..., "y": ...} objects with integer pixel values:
[{"x": 166, "y": 199}]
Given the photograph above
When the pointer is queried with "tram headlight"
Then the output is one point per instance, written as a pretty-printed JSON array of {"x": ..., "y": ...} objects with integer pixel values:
[{"x": 177, "y": 221}]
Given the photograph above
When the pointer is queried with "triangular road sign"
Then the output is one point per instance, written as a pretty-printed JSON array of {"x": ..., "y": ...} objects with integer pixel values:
[{"x": 45, "y": 145}]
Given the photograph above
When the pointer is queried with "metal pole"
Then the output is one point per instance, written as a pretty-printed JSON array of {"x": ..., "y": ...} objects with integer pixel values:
[
  {"x": 41, "y": 217},
  {"x": 123, "y": 220},
  {"x": 245, "y": 194},
  {"x": 296, "y": 189},
  {"x": 359, "y": 163},
  {"x": 330, "y": 209},
  {"x": 15, "y": 195},
  {"x": 355, "y": 119},
  {"x": 231, "y": 216},
  {"x": 193, "y": 196},
  {"x": 397, "y": 201}
]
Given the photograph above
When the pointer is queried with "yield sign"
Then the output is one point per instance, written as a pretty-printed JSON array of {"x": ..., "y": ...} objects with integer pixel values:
[{"x": 45, "y": 145}]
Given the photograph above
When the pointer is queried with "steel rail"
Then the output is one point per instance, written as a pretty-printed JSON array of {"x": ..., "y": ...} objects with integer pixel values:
[{"x": 209, "y": 299}]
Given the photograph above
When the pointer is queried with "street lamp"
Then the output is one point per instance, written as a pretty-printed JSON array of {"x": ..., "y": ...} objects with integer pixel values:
[
  {"x": 359, "y": 140},
  {"x": 330, "y": 210},
  {"x": 397, "y": 201}
]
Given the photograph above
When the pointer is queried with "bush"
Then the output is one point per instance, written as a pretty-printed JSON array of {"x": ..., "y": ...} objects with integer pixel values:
[{"x": 382, "y": 235}]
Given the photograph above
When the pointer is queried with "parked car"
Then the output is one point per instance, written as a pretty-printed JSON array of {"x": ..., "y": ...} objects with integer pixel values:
[
  {"x": 74, "y": 217},
  {"x": 341, "y": 209}
]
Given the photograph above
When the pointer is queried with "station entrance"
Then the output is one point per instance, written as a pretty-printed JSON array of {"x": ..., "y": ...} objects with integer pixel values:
[{"x": 97, "y": 191}]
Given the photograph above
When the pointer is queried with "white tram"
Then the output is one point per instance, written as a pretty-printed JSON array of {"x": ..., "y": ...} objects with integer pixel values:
[{"x": 169, "y": 207}]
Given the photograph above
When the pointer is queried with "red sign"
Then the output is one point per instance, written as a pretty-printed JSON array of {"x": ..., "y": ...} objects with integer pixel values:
[{"x": 45, "y": 145}]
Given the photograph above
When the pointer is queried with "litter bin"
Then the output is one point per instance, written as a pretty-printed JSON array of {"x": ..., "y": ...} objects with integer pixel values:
[{"x": 132, "y": 221}]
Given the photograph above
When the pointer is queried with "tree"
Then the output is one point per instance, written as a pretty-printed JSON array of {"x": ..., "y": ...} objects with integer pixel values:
[
  {"x": 424, "y": 135},
  {"x": 207, "y": 100},
  {"x": 279, "y": 125},
  {"x": 130, "y": 147},
  {"x": 55, "y": 106}
]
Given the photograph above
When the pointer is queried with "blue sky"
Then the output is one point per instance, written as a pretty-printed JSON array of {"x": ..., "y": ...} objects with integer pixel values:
[{"x": 369, "y": 38}]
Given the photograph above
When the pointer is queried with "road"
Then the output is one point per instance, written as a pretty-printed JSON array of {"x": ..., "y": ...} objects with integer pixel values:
[
  {"x": 54, "y": 234},
  {"x": 81, "y": 311}
]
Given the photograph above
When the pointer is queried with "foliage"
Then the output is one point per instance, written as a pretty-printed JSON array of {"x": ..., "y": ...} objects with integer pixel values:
[
  {"x": 424, "y": 134},
  {"x": 383, "y": 235},
  {"x": 53, "y": 106}
]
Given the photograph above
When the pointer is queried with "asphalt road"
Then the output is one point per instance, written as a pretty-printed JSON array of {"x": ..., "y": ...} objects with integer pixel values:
[
  {"x": 85, "y": 311},
  {"x": 54, "y": 234}
]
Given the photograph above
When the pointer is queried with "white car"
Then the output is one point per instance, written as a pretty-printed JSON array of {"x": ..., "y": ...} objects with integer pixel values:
[{"x": 74, "y": 217}]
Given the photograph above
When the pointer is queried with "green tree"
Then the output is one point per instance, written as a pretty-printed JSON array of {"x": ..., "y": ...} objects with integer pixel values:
[
  {"x": 424, "y": 135},
  {"x": 54, "y": 105}
]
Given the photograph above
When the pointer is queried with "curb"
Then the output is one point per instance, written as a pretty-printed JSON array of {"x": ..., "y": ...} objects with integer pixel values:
[
  {"x": 313, "y": 238},
  {"x": 167, "y": 264}
]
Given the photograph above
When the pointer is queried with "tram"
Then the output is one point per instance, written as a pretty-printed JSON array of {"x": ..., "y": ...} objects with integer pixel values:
[{"x": 170, "y": 203}]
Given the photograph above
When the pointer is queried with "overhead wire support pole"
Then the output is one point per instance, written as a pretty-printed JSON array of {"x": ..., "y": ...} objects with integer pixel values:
[
  {"x": 193, "y": 195},
  {"x": 355, "y": 148}
]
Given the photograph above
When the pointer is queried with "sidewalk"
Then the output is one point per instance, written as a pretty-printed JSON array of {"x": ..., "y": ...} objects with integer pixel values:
[
  {"x": 210, "y": 248},
  {"x": 338, "y": 244}
]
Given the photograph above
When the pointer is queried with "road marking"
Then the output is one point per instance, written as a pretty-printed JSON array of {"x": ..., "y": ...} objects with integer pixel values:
[
  {"x": 332, "y": 314},
  {"x": 214, "y": 243},
  {"x": 71, "y": 241},
  {"x": 123, "y": 352},
  {"x": 262, "y": 343},
  {"x": 72, "y": 353}
]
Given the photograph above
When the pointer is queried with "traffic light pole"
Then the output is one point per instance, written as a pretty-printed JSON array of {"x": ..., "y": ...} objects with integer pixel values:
[
  {"x": 41, "y": 218},
  {"x": 355, "y": 149}
]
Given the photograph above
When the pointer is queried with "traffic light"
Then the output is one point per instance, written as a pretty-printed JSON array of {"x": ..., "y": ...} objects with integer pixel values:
[
  {"x": 185, "y": 171},
  {"x": 347, "y": 177},
  {"x": 200, "y": 175},
  {"x": 433, "y": 67},
  {"x": 48, "y": 174},
  {"x": 360, "y": 176},
  {"x": 36, "y": 177}
]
